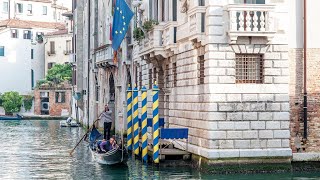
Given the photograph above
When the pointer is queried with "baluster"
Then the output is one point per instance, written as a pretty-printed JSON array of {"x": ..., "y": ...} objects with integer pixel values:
[
  {"x": 255, "y": 21},
  {"x": 248, "y": 21},
  {"x": 233, "y": 22},
  {"x": 262, "y": 21},
  {"x": 270, "y": 23},
  {"x": 241, "y": 21}
]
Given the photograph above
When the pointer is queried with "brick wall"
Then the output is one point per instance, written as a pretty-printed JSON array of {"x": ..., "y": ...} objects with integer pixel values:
[
  {"x": 296, "y": 99},
  {"x": 55, "y": 109}
]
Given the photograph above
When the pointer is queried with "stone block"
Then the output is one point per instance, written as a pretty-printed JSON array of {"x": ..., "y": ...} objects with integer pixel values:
[
  {"x": 283, "y": 152},
  {"x": 284, "y": 56},
  {"x": 212, "y": 125},
  {"x": 230, "y": 153},
  {"x": 281, "y": 80},
  {"x": 250, "y": 97},
  {"x": 281, "y": 64},
  {"x": 282, "y": 97},
  {"x": 285, "y": 107},
  {"x": 214, "y": 72},
  {"x": 226, "y": 107},
  {"x": 217, "y": 135},
  {"x": 227, "y": 79},
  {"x": 265, "y": 134},
  {"x": 215, "y": 116},
  {"x": 233, "y": 97},
  {"x": 250, "y": 116},
  {"x": 257, "y": 107},
  {"x": 272, "y": 71},
  {"x": 282, "y": 116},
  {"x": 227, "y": 63},
  {"x": 280, "y": 48},
  {"x": 255, "y": 144},
  {"x": 231, "y": 72},
  {"x": 285, "y": 143},
  {"x": 266, "y": 97},
  {"x": 230, "y": 55},
  {"x": 285, "y": 124},
  {"x": 273, "y": 125},
  {"x": 267, "y": 116},
  {"x": 268, "y": 64},
  {"x": 272, "y": 55},
  {"x": 281, "y": 134},
  {"x": 242, "y": 144},
  {"x": 273, "y": 107},
  {"x": 234, "y": 116},
  {"x": 226, "y": 144},
  {"x": 241, "y": 125},
  {"x": 274, "y": 143},
  {"x": 234, "y": 134},
  {"x": 249, "y": 153},
  {"x": 249, "y": 134},
  {"x": 226, "y": 125},
  {"x": 216, "y": 55},
  {"x": 258, "y": 125}
]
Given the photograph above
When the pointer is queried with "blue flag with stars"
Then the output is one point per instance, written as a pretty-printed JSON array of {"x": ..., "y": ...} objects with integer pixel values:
[{"x": 121, "y": 20}]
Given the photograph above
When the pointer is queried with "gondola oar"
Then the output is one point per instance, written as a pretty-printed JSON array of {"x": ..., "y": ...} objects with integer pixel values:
[{"x": 82, "y": 137}]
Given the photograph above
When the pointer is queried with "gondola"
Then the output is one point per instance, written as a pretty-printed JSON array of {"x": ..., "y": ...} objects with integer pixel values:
[
  {"x": 112, "y": 157},
  {"x": 18, "y": 117}
]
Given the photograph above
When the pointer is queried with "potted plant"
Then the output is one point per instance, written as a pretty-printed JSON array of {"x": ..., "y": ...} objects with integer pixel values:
[
  {"x": 149, "y": 24},
  {"x": 138, "y": 34}
]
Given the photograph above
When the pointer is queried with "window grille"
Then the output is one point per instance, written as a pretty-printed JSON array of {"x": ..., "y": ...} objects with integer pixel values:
[{"x": 249, "y": 68}]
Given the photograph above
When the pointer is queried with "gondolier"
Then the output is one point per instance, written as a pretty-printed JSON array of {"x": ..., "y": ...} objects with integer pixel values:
[{"x": 106, "y": 117}]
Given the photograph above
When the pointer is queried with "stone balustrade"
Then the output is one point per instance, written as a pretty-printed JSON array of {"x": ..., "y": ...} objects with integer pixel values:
[
  {"x": 104, "y": 56},
  {"x": 251, "y": 20}
]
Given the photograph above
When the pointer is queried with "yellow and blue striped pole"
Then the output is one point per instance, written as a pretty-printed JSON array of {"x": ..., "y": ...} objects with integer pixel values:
[
  {"x": 129, "y": 118},
  {"x": 135, "y": 122},
  {"x": 144, "y": 124},
  {"x": 155, "y": 122}
]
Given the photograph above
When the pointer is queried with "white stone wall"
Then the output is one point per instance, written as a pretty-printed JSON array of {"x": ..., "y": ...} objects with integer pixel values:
[{"x": 225, "y": 119}]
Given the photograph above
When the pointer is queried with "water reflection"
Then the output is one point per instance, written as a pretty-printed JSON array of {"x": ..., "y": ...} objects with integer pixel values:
[{"x": 40, "y": 150}]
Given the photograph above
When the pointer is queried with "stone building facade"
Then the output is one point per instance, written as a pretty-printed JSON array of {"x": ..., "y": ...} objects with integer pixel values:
[{"x": 222, "y": 74}]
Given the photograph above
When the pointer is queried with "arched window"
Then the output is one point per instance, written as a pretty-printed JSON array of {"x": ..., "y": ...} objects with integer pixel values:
[{"x": 111, "y": 88}]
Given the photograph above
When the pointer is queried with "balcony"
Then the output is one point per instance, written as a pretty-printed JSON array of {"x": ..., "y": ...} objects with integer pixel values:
[
  {"x": 104, "y": 56},
  {"x": 51, "y": 53},
  {"x": 169, "y": 36},
  {"x": 152, "y": 44},
  {"x": 197, "y": 18},
  {"x": 251, "y": 20}
]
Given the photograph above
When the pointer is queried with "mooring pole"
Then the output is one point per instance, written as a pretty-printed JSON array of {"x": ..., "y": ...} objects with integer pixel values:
[
  {"x": 155, "y": 122},
  {"x": 144, "y": 124},
  {"x": 129, "y": 118},
  {"x": 305, "y": 93},
  {"x": 135, "y": 122}
]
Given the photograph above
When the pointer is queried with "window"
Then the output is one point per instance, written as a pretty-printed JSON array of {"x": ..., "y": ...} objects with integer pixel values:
[
  {"x": 29, "y": 8},
  {"x": 150, "y": 8},
  {"x": 174, "y": 10},
  {"x": 1, "y": 50},
  {"x": 50, "y": 65},
  {"x": 44, "y": 10},
  {"x": 175, "y": 35},
  {"x": 14, "y": 33},
  {"x": 59, "y": 15},
  {"x": 32, "y": 79},
  {"x": 201, "y": 2},
  {"x": 39, "y": 37},
  {"x": 60, "y": 97},
  {"x": 201, "y": 69},
  {"x": 249, "y": 68},
  {"x": 27, "y": 34},
  {"x": 31, "y": 53},
  {"x": 68, "y": 46},
  {"x": 19, "y": 8},
  {"x": 150, "y": 78},
  {"x": 162, "y": 10},
  {"x": 52, "y": 47},
  {"x": 203, "y": 21},
  {"x": 140, "y": 78},
  {"x": 5, "y": 7},
  {"x": 174, "y": 72}
]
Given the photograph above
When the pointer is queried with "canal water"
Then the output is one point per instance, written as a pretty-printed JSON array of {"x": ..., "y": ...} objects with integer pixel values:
[{"x": 40, "y": 150}]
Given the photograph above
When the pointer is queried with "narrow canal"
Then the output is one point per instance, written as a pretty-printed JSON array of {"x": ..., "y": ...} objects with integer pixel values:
[{"x": 40, "y": 150}]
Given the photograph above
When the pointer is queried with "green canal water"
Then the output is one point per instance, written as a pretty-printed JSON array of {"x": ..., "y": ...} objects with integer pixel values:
[{"x": 40, "y": 150}]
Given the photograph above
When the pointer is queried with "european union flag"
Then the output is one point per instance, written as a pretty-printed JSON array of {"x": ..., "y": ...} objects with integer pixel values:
[{"x": 121, "y": 20}]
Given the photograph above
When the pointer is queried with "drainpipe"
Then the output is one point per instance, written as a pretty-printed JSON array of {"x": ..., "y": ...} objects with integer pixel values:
[
  {"x": 305, "y": 100},
  {"x": 88, "y": 87}
]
